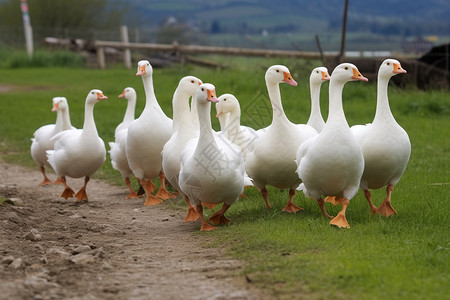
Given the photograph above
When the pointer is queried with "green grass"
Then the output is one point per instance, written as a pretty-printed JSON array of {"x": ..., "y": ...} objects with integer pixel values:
[{"x": 300, "y": 255}]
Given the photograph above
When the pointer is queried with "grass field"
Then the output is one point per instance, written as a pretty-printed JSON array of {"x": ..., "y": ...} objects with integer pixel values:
[{"x": 293, "y": 255}]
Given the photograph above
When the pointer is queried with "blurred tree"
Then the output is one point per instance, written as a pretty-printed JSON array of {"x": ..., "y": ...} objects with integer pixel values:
[{"x": 96, "y": 14}]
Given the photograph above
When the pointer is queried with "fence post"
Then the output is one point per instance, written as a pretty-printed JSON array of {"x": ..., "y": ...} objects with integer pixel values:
[
  {"x": 126, "y": 52},
  {"x": 101, "y": 57}
]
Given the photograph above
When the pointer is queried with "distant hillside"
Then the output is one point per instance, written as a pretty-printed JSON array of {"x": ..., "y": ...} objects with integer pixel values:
[{"x": 423, "y": 17}]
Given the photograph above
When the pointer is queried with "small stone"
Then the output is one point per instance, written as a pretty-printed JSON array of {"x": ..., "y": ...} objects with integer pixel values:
[
  {"x": 39, "y": 283},
  {"x": 16, "y": 264},
  {"x": 33, "y": 235},
  {"x": 100, "y": 252},
  {"x": 82, "y": 259},
  {"x": 81, "y": 249},
  {"x": 165, "y": 220},
  {"x": 57, "y": 252},
  {"x": 7, "y": 259},
  {"x": 39, "y": 247},
  {"x": 44, "y": 260},
  {"x": 106, "y": 267},
  {"x": 75, "y": 216}
]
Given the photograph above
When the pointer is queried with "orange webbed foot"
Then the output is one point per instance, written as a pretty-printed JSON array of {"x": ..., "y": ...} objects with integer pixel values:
[
  {"x": 386, "y": 209},
  {"x": 81, "y": 195},
  {"x": 192, "y": 215},
  {"x": 58, "y": 181},
  {"x": 333, "y": 200},
  {"x": 219, "y": 219},
  {"x": 340, "y": 221},
  {"x": 291, "y": 208},
  {"x": 133, "y": 195},
  {"x": 207, "y": 227},
  {"x": 46, "y": 181},
  {"x": 164, "y": 194},
  {"x": 67, "y": 193},
  {"x": 152, "y": 200}
]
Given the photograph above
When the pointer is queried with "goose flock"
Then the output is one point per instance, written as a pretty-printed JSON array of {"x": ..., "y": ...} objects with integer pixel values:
[{"x": 321, "y": 159}]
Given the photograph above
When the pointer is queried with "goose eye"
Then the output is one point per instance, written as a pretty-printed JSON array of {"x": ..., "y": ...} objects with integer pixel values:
[
  {"x": 317, "y": 72},
  {"x": 224, "y": 99},
  {"x": 203, "y": 89},
  {"x": 92, "y": 93},
  {"x": 192, "y": 81},
  {"x": 278, "y": 71},
  {"x": 388, "y": 63}
]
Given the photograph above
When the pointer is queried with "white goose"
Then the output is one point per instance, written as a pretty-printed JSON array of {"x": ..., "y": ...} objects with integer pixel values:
[
  {"x": 212, "y": 170},
  {"x": 385, "y": 144},
  {"x": 41, "y": 141},
  {"x": 229, "y": 114},
  {"x": 317, "y": 77},
  {"x": 79, "y": 153},
  {"x": 118, "y": 156},
  {"x": 273, "y": 159},
  {"x": 331, "y": 163},
  {"x": 183, "y": 132},
  {"x": 146, "y": 138}
]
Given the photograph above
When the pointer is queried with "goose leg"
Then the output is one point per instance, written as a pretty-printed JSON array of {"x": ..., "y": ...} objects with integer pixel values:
[
  {"x": 148, "y": 187},
  {"x": 322, "y": 208},
  {"x": 58, "y": 181},
  {"x": 340, "y": 220},
  {"x": 132, "y": 194},
  {"x": 163, "y": 193},
  {"x": 192, "y": 215},
  {"x": 290, "y": 206},
  {"x": 373, "y": 209},
  {"x": 386, "y": 207},
  {"x": 46, "y": 180},
  {"x": 68, "y": 192},
  {"x": 219, "y": 216},
  {"x": 81, "y": 194},
  {"x": 209, "y": 205},
  {"x": 265, "y": 195},
  {"x": 205, "y": 225}
]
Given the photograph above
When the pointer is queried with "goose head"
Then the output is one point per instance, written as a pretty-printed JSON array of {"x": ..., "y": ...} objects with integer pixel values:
[
  {"x": 227, "y": 103},
  {"x": 277, "y": 74},
  {"x": 144, "y": 68},
  {"x": 391, "y": 67},
  {"x": 206, "y": 93},
  {"x": 189, "y": 84},
  {"x": 346, "y": 72},
  {"x": 59, "y": 103},
  {"x": 319, "y": 75},
  {"x": 94, "y": 96},
  {"x": 128, "y": 93}
]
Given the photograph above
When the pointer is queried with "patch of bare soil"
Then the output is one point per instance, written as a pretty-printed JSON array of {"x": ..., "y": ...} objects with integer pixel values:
[{"x": 108, "y": 248}]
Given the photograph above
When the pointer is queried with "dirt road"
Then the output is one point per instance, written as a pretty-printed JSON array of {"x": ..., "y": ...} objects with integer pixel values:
[{"x": 108, "y": 248}]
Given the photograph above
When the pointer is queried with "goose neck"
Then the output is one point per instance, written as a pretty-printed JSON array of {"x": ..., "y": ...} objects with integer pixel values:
[
  {"x": 180, "y": 104},
  {"x": 336, "y": 110},
  {"x": 383, "y": 112},
  {"x": 275, "y": 99},
  {"x": 204, "y": 118},
  {"x": 130, "y": 111},
  {"x": 89, "y": 123},
  {"x": 315, "y": 99},
  {"x": 150, "y": 97}
]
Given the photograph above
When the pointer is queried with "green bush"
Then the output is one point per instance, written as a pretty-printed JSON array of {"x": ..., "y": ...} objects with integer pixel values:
[{"x": 13, "y": 59}]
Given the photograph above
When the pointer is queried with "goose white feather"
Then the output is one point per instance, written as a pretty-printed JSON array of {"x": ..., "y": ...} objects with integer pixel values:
[
  {"x": 273, "y": 159},
  {"x": 212, "y": 169},
  {"x": 385, "y": 144},
  {"x": 79, "y": 153},
  {"x": 331, "y": 163},
  {"x": 42, "y": 138},
  {"x": 146, "y": 138},
  {"x": 117, "y": 153},
  {"x": 317, "y": 77}
]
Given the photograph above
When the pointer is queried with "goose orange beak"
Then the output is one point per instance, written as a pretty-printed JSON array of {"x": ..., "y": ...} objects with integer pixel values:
[
  {"x": 122, "y": 95},
  {"x": 212, "y": 96},
  {"x": 100, "y": 96},
  {"x": 325, "y": 76},
  {"x": 218, "y": 114},
  {"x": 288, "y": 79},
  {"x": 55, "y": 107},
  {"x": 398, "y": 69},
  {"x": 358, "y": 76},
  {"x": 141, "y": 70}
]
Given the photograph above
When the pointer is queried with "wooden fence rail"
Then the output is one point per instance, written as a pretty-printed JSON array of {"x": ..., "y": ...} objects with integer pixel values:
[{"x": 195, "y": 49}]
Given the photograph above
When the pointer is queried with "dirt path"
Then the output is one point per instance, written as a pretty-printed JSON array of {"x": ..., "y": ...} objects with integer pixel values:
[{"x": 109, "y": 248}]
